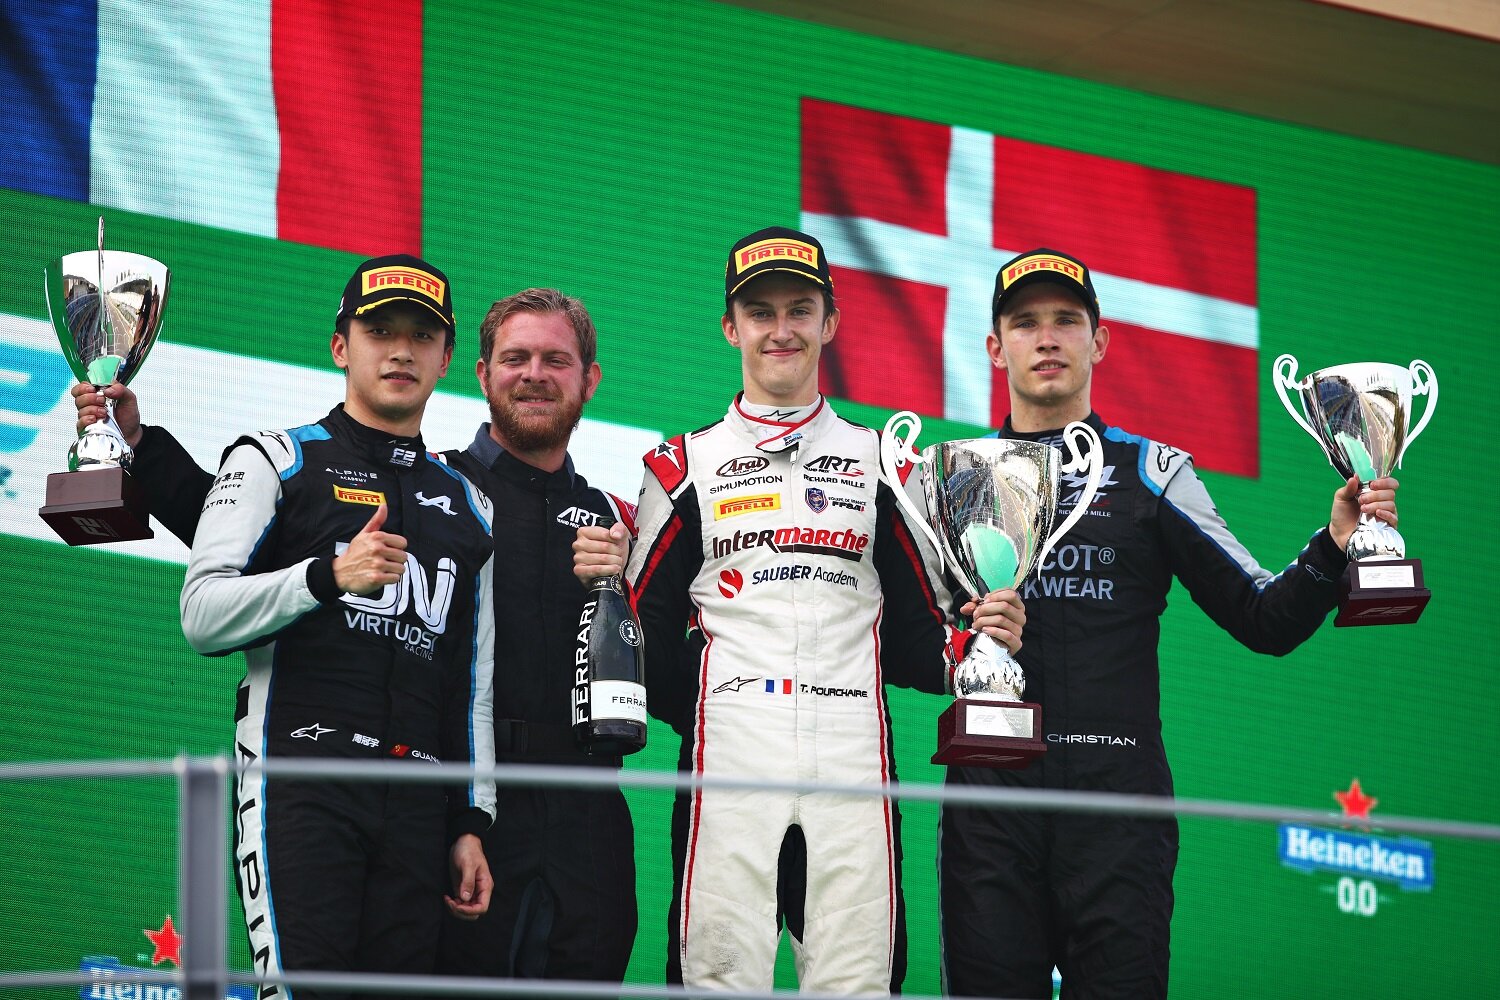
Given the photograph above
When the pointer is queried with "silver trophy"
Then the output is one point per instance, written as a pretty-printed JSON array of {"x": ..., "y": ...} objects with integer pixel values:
[
  {"x": 106, "y": 308},
  {"x": 1359, "y": 414},
  {"x": 990, "y": 510}
]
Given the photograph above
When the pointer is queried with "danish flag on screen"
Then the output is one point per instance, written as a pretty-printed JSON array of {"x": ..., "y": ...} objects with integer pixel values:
[{"x": 917, "y": 217}]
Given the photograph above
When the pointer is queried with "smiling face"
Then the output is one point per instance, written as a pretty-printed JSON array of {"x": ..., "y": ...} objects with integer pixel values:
[
  {"x": 536, "y": 384},
  {"x": 393, "y": 357},
  {"x": 780, "y": 323},
  {"x": 1047, "y": 346}
]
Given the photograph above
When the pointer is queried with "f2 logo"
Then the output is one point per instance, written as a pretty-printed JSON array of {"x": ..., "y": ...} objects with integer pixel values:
[
  {"x": 94, "y": 526},
  {"x": 1392, "y": 611}
]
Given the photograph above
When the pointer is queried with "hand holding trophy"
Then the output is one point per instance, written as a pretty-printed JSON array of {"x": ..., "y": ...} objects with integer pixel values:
[
  {"x": 106, "y": 308},
  {"x": 990, "y": 505},
  {"x": 1359, "y": 414}
]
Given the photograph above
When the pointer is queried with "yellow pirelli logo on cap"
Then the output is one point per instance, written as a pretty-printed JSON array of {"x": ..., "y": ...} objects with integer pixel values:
[
  {"x": 746, "y": 505},
  {"x": 780, "y": 248},
  {"x": 397, "y": 276},
  {"x": 1042, "y": 262},
  {"x": 372, "y": 498}
]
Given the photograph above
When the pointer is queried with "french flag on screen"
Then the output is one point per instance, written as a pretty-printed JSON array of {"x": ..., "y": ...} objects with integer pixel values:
[
  {"x": 299, "y": 120},
  {"x": 918, "y": 216}
]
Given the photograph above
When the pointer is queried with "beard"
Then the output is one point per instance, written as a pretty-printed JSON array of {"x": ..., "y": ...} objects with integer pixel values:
[{"x": 535, "y": 431}]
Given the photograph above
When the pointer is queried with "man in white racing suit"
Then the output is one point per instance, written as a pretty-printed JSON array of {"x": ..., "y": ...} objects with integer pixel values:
[{"x": 780, "y": 590}]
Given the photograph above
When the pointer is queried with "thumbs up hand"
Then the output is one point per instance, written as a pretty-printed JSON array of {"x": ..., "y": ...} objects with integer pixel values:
[{"x": 374, "y": 559}]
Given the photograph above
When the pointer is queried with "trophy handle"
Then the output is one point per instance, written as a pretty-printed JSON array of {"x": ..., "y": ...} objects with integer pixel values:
[
  {"x": 1282, "y": 381},
  {"x": 1424, "y": 383},
  {"x": 895, "y": 453},
  {"x": 1093, "y": 460}
]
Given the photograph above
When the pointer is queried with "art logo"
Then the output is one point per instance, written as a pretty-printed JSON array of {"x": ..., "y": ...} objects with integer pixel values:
[
  {"x": 918, "y": 217},
  {"x": 1362, "y": 860}
]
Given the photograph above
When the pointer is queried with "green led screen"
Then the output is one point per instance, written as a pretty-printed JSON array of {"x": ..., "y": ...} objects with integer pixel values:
[{"x": 616, "y": 152}]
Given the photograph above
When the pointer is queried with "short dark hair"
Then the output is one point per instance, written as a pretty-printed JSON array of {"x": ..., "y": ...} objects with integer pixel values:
[{"x": 541, "y": 301}]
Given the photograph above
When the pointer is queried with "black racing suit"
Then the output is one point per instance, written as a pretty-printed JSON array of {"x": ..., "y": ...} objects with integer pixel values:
[
  {"x": 563, "y": 859},
  {"x": 1022, "y": 890},
  {"x": 346, "y": 875}
]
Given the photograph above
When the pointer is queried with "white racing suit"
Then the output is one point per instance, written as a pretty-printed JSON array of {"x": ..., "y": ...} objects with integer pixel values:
[{"x": 780, "y": 588}]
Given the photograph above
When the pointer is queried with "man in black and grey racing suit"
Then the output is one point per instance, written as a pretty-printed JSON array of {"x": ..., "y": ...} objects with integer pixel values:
[
  {"x": 354, "y": 571},
  {"x": 346, "y": 875},
  {"x": 1023, "y": 891}
]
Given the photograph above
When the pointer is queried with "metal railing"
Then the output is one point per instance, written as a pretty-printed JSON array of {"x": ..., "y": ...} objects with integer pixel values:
[{"x": 203, "y": 854}]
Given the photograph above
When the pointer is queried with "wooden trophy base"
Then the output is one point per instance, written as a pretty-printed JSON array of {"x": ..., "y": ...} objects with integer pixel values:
[
  {"x": 990, "y": 734},
  {"x": 1382, "y": 592},
  {"x": 96, "y": 505}
]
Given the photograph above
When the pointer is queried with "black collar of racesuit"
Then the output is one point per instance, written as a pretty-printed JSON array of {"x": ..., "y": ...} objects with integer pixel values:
[
  {"x": 501, "y": 462},
  {"x": 1052, "y": 436},
  {"x": 380, "y": 447}
]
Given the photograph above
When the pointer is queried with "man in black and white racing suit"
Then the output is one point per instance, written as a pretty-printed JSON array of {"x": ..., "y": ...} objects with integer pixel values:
[
  {"x": 353, "y": 568},
  {"x": 772, "y": 539},
  {"x": 1023, "y": 891}
]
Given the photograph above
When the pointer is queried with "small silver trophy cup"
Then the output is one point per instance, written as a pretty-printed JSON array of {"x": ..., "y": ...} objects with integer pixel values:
[
  {"x": 990, "y": 511},
  {"x": 1359, "y": 415},
  {"x": 106, "y": 308}
]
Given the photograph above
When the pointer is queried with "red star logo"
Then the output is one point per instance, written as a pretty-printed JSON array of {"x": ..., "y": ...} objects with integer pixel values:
[
  {"x": 1356, "y": 803},
  {"x": 168, "y": 944}
]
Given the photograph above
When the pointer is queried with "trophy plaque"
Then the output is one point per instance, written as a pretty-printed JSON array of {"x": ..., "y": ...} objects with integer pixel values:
[
  {"x": 1359, "y": 415},
  {"x": 990, "y": 510},
  {"x": 106, "y": 308}
]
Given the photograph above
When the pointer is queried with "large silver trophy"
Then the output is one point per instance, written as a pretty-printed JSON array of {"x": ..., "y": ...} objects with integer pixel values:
[
  {"x": 106, "y": 308},
  {"x": 1359, "y": 414},
  {"x": 990, "y": 510}
]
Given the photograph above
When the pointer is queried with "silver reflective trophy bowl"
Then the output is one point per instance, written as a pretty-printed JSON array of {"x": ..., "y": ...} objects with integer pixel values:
[
  {"x": 1360, "y": 414},
  {"x": 106, "y": 308},
  {"x": 990, "y": 510}
]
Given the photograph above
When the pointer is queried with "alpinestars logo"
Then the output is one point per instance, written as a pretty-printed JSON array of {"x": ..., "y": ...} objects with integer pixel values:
[
  {"x": 311, "y": 732},
  {"x": 381, "y": 613}
]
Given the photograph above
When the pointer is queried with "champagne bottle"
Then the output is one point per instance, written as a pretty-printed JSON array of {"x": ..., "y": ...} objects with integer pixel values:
[{"x": 609, "y": 681}]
